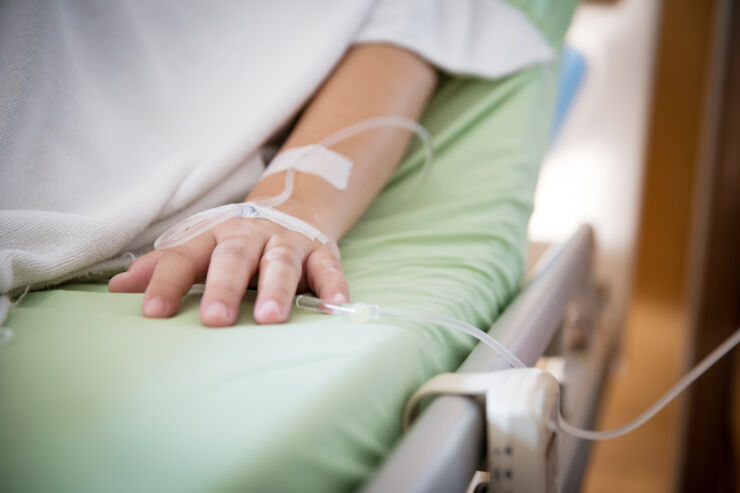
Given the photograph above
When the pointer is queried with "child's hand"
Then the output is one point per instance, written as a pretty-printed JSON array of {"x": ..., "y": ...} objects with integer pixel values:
[
  {"x": 228, "y": 258},
  {"x": 371, "y": 80}
]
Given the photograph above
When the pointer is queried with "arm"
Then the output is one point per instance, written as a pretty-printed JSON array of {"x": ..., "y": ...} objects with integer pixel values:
[{"x": 371, "y": 80}]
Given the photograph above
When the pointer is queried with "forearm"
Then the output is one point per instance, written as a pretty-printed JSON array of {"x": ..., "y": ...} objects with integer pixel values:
[{"x": 372, "y": 80}]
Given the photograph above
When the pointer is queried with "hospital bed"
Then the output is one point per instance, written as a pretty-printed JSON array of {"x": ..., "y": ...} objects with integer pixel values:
[
  {"x": 556, "y": 323},
  {"x": 96, "y": 398}
]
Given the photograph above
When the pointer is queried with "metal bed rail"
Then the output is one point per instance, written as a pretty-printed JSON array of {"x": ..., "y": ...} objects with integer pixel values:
[{"x": 445, "y": 445}]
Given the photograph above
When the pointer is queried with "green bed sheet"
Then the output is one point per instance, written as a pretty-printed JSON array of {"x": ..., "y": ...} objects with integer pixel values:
[{"x": 94, "y": 397}]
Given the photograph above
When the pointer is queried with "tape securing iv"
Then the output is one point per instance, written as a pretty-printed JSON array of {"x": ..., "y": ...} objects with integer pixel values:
[
  {"x": 315, "y": 159},
  {"x": 200, "y": 223}
]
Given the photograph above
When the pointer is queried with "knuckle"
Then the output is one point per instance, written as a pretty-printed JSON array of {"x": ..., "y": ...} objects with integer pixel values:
[
  {"x": 327, "y": 263},
  {"x": 235, "y": 225},
  {"x": 238, "y": 230},
  {"x": 281, "y": 254},
  {"x": 233, "y": 248},
  {"x": 331, "y": 269}
]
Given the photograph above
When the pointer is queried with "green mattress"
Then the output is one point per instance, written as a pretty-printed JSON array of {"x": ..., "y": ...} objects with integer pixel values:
[{"x": 94, "y": 397}]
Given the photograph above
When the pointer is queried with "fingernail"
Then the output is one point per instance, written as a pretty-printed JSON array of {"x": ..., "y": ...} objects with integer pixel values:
[
  {"x": 155, "y": 307},
  {"x": 216, "y": 312},
  {"x": 268, "y": 308},
  {"x": 339, "y": 299}
]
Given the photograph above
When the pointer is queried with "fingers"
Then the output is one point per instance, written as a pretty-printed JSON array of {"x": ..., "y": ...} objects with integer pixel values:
[
  {"x": 325, "y": 276},
  {"x": 166, "y": 276},
  {"x": 280, "y": 271},
  {"x": 178, "y": 268},
  {"x": 136, "y": 278},
  {"x": 233, "y": 262}
]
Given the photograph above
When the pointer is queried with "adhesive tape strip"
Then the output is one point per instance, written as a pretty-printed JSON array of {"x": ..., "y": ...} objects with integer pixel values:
[
  {"x": 199, "y": 223},
  {"x": 316, "y": 160},
  {"x": 285, "y": 220}
]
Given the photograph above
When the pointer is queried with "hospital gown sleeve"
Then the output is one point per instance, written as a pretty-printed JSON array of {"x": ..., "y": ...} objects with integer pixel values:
[{"x": 482, "y": 38}]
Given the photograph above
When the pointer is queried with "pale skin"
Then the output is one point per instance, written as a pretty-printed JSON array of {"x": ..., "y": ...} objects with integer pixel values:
[{"x": 371, "y": 80}]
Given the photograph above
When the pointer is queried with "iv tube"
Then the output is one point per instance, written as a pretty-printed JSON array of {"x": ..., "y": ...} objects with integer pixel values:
[
  {"x": 204, "y": 221},
  {"x": 377, "y": 312}
]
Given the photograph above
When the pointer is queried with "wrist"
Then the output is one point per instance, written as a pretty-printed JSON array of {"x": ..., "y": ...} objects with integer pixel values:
[{"x": 311, "y": 210}]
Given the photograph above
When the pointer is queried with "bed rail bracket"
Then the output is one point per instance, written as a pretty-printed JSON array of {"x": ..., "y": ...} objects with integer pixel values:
[{"x": 521, "y": 412}]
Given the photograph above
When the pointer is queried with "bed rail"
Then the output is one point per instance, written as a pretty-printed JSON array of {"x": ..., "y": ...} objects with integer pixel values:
[{"x": 445, "y": 445}]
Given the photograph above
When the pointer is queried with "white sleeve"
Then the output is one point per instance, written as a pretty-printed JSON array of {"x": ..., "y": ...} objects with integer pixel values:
[{"x": 484, "y": 38}]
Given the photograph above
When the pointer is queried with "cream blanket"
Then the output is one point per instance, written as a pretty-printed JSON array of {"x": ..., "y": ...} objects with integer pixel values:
[{"x": 118, "y": 119}]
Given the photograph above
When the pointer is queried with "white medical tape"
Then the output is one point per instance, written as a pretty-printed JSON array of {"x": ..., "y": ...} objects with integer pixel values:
[
  {"x": 198, "y": 224},
  {"x": 289, "y": 222},
  {"x": 316, "y": 160}
]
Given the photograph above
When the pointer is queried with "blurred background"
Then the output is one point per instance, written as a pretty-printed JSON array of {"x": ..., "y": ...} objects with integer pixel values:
[{"x": 649, "y": 154}]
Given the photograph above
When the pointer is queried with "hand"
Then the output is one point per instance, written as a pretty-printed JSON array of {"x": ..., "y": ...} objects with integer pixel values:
[
  {"x": 228, "y": 257},
  {"x": 391, "y": 81}
]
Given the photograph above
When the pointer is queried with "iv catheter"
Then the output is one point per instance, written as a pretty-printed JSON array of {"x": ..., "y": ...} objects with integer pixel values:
[
  {"x": 362, "y": 313},
  {"x": 199, "y": 223}
]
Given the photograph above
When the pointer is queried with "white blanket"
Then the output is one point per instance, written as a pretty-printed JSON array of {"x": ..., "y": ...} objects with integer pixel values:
[{"x": 118, "y": 119}]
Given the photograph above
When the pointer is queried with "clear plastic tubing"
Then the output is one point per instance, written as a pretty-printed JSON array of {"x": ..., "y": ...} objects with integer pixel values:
[
  {"x": 679, "y": 387},
  {"x": 360, "y": 312}
]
